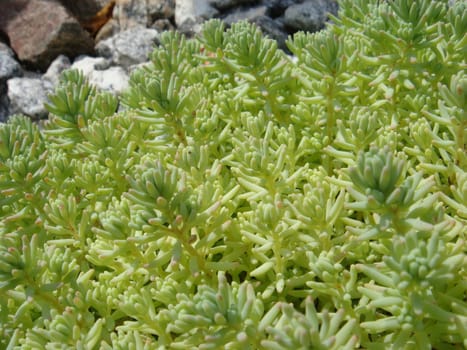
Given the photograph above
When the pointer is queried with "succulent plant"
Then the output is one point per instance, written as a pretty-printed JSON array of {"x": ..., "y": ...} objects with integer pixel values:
[{"x": 237, "y": 198}]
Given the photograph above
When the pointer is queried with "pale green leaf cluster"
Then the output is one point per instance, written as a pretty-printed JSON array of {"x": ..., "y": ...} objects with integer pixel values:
[{"x": 236, "y": 198}]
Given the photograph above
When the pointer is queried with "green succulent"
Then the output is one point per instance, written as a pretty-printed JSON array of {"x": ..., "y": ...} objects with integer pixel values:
[{"x": 234, "y": 197}]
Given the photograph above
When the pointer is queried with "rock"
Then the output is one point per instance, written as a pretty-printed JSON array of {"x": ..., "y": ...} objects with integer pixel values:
[
  {"x": 4, "y": 110},
  {"x": 189, "y": 14},
  {"x": 160, "y": 9},
  {"x": 310, "y": 15},
  {"x": 40, "y": 30},
  {"x": 130, "y": 13},
  {"x": 84, "y": 9},
  {"x": 56, "y": 68},
  {"x": 125, "y": 31},
  {"x": 108, "y": 30},
  {"x": 251, "y": 14},
  {"x": 162, "y": 24},
  {"x": 138, "y": 66},
  {"x": 97, "y": 70},
  {"x": 28, "y": 95},
  {"x": 95, "y": 23},
  {"x": 114, "y": 79},
  {"x": 9, "y": 67},
  {"x": 88, "y": 64},
  {"x": 129, "y": 47},
  {"x": 276, "y": 8},
  {"x": 226, "y": 4},
  {"x": 274, "y": 29}
]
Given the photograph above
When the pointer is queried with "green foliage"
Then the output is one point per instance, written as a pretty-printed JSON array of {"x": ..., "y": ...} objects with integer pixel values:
[{"x": 239, "y": 199}]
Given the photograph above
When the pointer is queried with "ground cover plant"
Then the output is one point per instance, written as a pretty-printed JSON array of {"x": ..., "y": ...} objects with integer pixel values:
[{"x": 235, "y": 198}]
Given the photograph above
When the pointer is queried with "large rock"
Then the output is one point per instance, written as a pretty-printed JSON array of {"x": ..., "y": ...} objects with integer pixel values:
[
  {"x": 129, "y": 47},
  {"x": 28, "y": 95},
  {"x": 310, "y": 15},
  {"x": 40, "y": 30}
]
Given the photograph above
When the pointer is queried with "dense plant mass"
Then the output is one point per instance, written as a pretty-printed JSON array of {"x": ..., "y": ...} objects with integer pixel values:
[{"x": 240, "y": 199}]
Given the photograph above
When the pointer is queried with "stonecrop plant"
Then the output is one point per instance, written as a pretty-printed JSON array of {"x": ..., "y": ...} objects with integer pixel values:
[{"x": 236, "y": 198}]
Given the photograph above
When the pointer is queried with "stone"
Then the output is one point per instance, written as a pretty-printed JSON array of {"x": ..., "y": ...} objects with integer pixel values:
[
  {"x": 9, "y": 67},
  {"x": 84, "y": 9},
  {"x": 54, "y": 71},
  {"x": 130, "y": 13},
  {"x": 227, "y": 4},
  {"x": 129, "y": 47},
  {"x": 95, "y": 23},
  {"x": 4, "y": 110},
  {"x": 276, "y": 8},
  {"x": 114, "y": 79},
  {"x": 108, "y": 30},
  {"x": 88, "y": 64},
  {"x": 28, "y": 95},
  {"x": 125, "y": 33},
  {"x": 274, "y": 29},
  {"x": 310, "y": 15},
  {"x": 40, "y": 30},
  {"x": 99, "y": 73},
  {"x": 162, "y": 25},
  {"x": 160, "y": 9},
  {"x": 189, "y": 14},
  {"x": 249, "y": 14}
]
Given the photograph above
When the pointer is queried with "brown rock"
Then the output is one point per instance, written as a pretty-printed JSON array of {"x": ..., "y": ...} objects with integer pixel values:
[
  {"x": 99, "y": 19},
  {"x": 84, "y": 10},
  {"x": 161, "y": 9},
  {"x": 40, "y": 30},
  {"x": 163, "y": 25},
  {"x": 110, "y": 28}
]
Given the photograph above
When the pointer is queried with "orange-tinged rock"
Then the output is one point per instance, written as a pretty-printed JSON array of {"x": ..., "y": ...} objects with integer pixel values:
[{"x": 100, "y": 19}]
